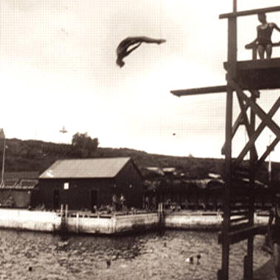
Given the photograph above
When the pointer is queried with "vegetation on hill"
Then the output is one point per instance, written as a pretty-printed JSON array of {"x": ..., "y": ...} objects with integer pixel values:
[{"x": 34, "y": 155}]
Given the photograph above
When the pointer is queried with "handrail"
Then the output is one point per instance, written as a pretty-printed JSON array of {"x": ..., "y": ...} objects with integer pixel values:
[
  {"x": 254, "y": 47},
  {"x": 250, "y": 12}
]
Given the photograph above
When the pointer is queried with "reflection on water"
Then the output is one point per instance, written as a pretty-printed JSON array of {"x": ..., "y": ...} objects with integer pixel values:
[{"x": 38, "y": 256}]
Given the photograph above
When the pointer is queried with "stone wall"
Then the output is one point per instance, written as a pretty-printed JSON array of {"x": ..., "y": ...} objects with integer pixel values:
[
  {"x": 29, "y": 220},
  {"x": 78, "y": 222},
  {"x": 193, "y": 220}
]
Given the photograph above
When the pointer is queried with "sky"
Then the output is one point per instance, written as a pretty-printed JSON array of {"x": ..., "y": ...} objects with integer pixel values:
[{"x": 57, "y": 69}]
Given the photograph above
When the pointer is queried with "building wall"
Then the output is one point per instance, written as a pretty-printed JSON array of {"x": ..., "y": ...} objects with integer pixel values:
[
  {"x": 129, "y": 182},
  {"x": 15, "y": 198},
  {"x": 77, "y": 196}
]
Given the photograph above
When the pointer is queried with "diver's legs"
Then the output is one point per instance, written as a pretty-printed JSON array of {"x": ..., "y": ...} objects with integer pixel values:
[
  {"x": 268, "y": 51},
  {"x": 261, "y": 51},
  {"x": 148, "y": 40}
]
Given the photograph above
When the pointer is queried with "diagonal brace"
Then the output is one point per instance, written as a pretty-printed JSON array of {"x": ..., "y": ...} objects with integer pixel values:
[
  {"x": 257, "y": 109},
  {"x": 237, "y": 123},
  {"x": 249, "y": 129},
  {"x": 257, "y": 132},
  {"x": 267, "y": 152}
]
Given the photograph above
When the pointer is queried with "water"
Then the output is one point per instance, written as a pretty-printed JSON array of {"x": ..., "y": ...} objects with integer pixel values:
[{"x": 38, "y": 256}]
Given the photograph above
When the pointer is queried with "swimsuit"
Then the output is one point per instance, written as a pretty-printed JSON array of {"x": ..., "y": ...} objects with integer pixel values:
[{"x": 264, "y": 34}]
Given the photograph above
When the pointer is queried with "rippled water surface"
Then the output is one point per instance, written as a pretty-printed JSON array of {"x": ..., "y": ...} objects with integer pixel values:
[{"x": 38, "y": 256}]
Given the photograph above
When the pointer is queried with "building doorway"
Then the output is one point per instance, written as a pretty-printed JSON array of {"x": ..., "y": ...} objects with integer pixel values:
[
  {"x": 94, "y": 200},
  {"x": 56, "y": 199}
]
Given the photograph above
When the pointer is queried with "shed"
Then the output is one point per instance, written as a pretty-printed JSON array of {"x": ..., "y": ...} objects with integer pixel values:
[
  {"x": 19, "y": 189},
  {"x": 84, "y": 184}
]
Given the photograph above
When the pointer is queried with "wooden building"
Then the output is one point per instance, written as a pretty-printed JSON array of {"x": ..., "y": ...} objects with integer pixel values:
[
  {"x": 85, "y": 184},
  {"x": 19, "y": 189},
  {"x": 173, "y": 188}
]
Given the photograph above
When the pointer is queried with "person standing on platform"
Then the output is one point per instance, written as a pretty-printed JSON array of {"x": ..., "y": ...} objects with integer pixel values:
[
  {"x": 274, "y": 234},
  {"x": 263, "y": 40},
  {"x": 114, "y": 202},
  {"x": 122, "y": 201}
]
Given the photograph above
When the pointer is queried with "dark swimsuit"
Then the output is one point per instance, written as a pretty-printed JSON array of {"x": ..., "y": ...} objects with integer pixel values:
[
  {"x": 275, "y": 234},
  {"x": 264, "y": 35}
]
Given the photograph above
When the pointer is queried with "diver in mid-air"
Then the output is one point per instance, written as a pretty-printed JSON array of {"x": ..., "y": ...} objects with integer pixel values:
[{"x": 133, "y": 42}]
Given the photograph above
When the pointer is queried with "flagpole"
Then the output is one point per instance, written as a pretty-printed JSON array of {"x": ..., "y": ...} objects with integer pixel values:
[{"x": 3, "y": 162}]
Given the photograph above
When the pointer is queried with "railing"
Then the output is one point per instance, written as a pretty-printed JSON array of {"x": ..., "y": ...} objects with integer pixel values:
[
  {"x": 254, "y": 48},
  {"x": 65, "y": 213}
]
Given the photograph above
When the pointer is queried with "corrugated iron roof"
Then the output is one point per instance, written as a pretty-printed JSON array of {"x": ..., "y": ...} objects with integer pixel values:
[
  {"x": 85, "y": 168},
  {"x": 21, "y": 175},
  {"x": 155, "y": 170}
]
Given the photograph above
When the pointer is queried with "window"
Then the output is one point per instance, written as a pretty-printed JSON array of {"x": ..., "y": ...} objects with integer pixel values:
[{"x": 66, "y": 186}]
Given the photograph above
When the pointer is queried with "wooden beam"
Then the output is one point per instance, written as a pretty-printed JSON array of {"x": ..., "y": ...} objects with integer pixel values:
[
  {"x": 236, "y": 219},
  {"x": 254, "y": 45},
  {"x": 248, "y": 126},
  {"x": 204, "y": 90},
  {"x": 269, "y": 149},
  {"x": 255, "y": 64},
  {"x": 239, "y": 212},
  {"x": 259, "y": 64},
  {"x": 250, "y": 12},
  {"x": 242, "y": 234}
]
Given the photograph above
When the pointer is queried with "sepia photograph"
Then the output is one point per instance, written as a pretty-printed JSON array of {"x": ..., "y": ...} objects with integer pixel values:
[{"x": 139, "y": 140}]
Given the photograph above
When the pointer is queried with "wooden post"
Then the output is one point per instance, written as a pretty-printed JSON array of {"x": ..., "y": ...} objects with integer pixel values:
[
  {"x": 232, "y": 42},
  {"x": 3, "y": 162},
  {"x": 232, "y": 58},
  {"x": 66, "y": 210},
  {"x": 160, "y": 216},
  {"x": 226, "y": 201},
  {"x": 63, "y": 226},
  {"x": 77, "y": 222},
  {"x": 245, "y": 268},
  {"x": 234, "y": 5},
  {"x": 250, "y": 242}
]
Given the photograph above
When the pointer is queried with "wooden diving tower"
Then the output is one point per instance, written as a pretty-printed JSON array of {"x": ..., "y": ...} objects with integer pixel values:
[{"x": 245, "y": 79}]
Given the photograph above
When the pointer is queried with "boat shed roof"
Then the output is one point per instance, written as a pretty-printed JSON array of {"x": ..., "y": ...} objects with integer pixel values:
[{"x": 85, "y": 168}]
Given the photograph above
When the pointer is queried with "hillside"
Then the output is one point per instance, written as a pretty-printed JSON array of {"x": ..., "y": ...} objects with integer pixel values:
[{"x": 33, "y": 155}]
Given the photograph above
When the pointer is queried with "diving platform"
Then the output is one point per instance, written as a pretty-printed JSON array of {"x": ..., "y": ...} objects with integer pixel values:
[
  {"x": 257, "y": 74},
  {"x": 250, "y": 75}
]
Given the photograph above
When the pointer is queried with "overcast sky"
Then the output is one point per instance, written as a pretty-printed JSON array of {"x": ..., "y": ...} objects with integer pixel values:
[{"x": 57, "y": 68}]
